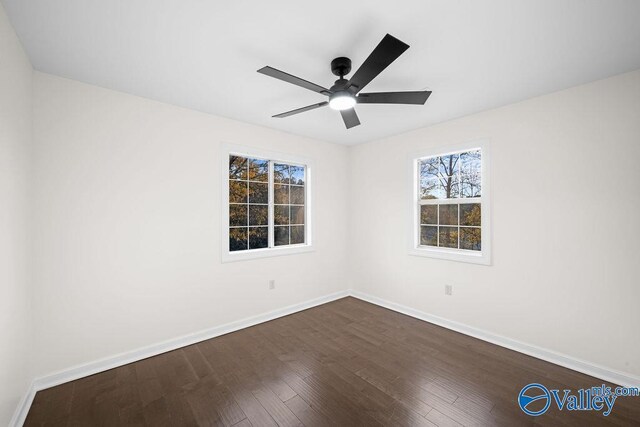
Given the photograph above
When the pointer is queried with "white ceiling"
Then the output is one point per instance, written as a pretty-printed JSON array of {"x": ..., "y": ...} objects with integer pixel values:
[{"x": 473, "y": 55}]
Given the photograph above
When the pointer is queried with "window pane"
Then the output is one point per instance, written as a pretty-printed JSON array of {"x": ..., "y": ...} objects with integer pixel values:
[
  {"x": 237, "y": 192},
  {"x": 237, "y": 215},
  {"x": 471, "y": 162},
  {"x": 431, "y": 189},
  {"x": 258, "y": 237},
  {"x": 429, "y": 236},
  {"x": 470, "y": 238},
  {"x": 281, "y": 235},
  {"x": 297, "y": 234},
  {"x": 470, "y": 214},
  {"x": 289, "y": 200},
  {"x": 428, "y": 214},
  {"x": 449, "y": 237},
  {"x": 258, "y": 215},
  {"x": 258, "y": 170},
  {"x": 448, "y": 214},
  {"x": 280, "y": 173},
  {"x": 258, "y": 192},
  {"x": 449, "y": 164},
  {"x": 237, "y": 239},
  {"x": 281, "y": 215},
  {"x": 297, "y": 215},
  {"x": 237, "y": 167},
  {"x": 297, "y": 195},
  {"x": 471, "y": 173},
  {"x": 471, "y": 186},
  {"x": 297, "y": 175},
  {"x": 429, "y": 168},
  {"x": 281, "y": 194},
  {"x": 450, "y": 187},
  {"x": 440, "y": 188}
]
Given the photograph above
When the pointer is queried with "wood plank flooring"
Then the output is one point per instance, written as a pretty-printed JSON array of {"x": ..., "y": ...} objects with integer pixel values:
[{"x": 346, "y": 363}]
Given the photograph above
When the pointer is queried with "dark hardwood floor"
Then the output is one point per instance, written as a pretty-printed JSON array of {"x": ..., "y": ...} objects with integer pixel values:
[{"x": 346, "y": 363}]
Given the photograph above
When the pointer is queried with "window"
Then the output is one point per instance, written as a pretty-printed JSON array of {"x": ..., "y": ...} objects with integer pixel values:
[
  {"x": 267, "y": 204},
  {"x": 450, "y": 205}
]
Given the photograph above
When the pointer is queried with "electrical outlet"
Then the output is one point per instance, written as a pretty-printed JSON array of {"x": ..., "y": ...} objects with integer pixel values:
[
  {"x": 448, "y": 289},
  {"x": 272, "y": 284}
]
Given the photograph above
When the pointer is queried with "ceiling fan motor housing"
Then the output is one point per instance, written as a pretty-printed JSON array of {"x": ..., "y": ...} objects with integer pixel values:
[
  {"x": 340, "y": 85},
  {"x": 341, "y": 66}
]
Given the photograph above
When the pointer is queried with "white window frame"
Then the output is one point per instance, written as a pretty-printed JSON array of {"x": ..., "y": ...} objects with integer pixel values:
[
  {"x": 476, "y": 257},
  {"x": 273, "y": 156}
]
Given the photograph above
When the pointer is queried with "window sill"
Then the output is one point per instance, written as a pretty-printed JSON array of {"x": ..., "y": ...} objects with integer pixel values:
[
  {"x": 452, "y": 255},
  {"x": 265, "y": 253}
]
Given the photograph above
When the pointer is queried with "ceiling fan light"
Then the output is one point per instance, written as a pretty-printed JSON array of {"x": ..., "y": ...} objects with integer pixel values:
[{"x": 342, "y": 101}]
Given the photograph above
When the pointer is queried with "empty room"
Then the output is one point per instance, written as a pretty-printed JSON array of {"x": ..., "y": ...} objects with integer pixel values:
[{"x": 336, "y": 213}]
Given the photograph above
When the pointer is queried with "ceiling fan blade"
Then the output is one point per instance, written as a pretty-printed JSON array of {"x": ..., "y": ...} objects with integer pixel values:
[
  {"x": 281, "y": 75},
  {"x": 387, "y": 51},
  {"x": 301, "y": 110},
  {"x": 418, "y": 98},
  {"x": 350, "y": 118}
]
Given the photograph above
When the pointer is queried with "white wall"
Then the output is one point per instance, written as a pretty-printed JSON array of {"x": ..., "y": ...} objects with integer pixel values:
[
  {"x": 15, "y": 152},
  {"x": 566, "y": 235},
  {"x": 127, "y": 224}
]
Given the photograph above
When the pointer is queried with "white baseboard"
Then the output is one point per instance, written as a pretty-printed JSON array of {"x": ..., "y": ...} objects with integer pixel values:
[
  {"x": 20, "y": 414},
  {"x": 80, "y": 371},
  {"x": 114, "y": 361},
  {"x": 588, "y": 368}
]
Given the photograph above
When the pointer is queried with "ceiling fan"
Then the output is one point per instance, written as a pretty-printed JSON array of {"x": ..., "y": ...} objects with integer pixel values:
[{"x": 345, "y": 94}]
